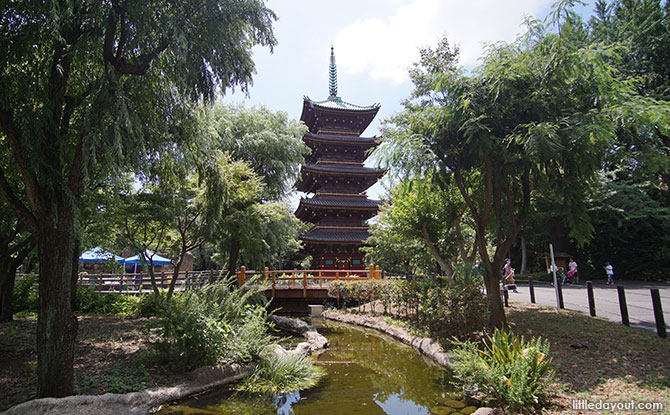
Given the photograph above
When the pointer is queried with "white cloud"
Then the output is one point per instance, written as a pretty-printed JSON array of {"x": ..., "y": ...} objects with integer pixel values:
[{"x": 385, "y": 49}]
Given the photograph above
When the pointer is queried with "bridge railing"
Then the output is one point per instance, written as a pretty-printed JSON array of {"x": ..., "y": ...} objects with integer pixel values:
[{"x": 305, "y": 279}]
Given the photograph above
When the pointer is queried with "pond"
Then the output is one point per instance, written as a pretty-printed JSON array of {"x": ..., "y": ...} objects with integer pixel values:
[{"x": 367, "y": 373}]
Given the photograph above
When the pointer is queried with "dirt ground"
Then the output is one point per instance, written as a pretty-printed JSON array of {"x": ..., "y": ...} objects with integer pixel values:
[{"x": 113, "y": 354}]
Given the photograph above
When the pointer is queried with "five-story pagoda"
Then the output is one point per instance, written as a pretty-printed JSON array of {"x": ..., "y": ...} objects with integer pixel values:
[{"x": 335, "y": 176}]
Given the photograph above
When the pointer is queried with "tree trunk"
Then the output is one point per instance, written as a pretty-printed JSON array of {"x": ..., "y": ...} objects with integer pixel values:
[
  {"x": 496, "y": 312},
  {"x": 524, "y": 254},
  {"x": 444, "y": 265},
  {"x": 75, "y": 273},
  {"x": 56, "y": 324},
  {"x": 6, "y": 292},
  {"x": 8, "y": 278},
  {"x": 233, "y": 256},
  {"x": 175, "y": 275}
]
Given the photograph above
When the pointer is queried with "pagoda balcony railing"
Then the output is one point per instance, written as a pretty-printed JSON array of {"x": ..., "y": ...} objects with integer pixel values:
[{"x": 305, "y": 279}]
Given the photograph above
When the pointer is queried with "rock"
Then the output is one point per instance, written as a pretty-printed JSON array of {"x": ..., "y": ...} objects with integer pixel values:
[
  {"x": 441, "y": 410},
  {"x": 453, "y": 403},
  {"x": 468, "y": 410},
  {"x": 485, "y": 411}
]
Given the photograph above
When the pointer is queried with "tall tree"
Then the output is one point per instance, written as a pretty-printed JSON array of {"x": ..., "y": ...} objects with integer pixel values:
[
  {"x": 87, "y": 88},
  {"x": 271, "y": 144},
  {"x": 535, "y": 118}
]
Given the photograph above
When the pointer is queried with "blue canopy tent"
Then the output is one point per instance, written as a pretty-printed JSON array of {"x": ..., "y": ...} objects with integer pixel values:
[
  {"x": 98, "y": 255},
  {"x": 150, "y": 256}
]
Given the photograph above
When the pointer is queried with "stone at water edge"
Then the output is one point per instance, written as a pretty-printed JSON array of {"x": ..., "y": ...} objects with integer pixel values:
[
  {"x": 485, "y": 411},
  {"x": 468, "y": 410},
  {"x": 441, "y": 410},
  {"x": 453, "y": 403}
]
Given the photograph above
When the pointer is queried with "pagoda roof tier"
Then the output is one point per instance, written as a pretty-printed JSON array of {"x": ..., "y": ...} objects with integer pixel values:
[
  {"x": 338, "y": 138},
  {"x": 336, "y": 116},
  {"x": 312, "y": 209},
  {"x": 314, "y": 177},
  {"x": 353, "y": 203},
  {"x": 341, "y": 236}
]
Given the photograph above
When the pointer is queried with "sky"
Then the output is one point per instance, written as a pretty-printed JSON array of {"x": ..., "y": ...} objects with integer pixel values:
[{"x": 375, "y": 42}]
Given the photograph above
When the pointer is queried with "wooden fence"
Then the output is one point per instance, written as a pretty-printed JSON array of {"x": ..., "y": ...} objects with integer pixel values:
[{"x": 129, "y": 283}]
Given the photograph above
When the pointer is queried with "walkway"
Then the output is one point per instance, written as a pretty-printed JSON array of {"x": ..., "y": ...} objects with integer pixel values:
[{"x": 638, "y": 298}]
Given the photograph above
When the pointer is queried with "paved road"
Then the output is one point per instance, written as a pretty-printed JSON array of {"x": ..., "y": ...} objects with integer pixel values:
[{"x": 638, "y": 299}]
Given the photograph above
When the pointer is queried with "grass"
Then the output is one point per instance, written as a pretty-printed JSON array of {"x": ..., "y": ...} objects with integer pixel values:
[
  {"x": 277, "y": 374},
  {"x": 619, "y": 363}
]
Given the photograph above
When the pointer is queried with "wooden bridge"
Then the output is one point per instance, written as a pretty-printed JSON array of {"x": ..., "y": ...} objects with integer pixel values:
[{"x": 307, "y": 284}]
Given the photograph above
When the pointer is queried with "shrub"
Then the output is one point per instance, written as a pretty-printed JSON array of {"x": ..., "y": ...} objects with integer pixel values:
[
  {"x": 88, "y": 301},
  {"x": 213, "y": 325},
  {"x": 25, "y": 295},
  {"x": 509, "y": 370}
]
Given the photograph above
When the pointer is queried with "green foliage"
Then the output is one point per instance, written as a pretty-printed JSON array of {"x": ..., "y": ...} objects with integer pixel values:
[
  {"x": 440, "y": 309},
  {"x": 147, "y": 305},
  {"x": 87, "y": 301},
  {"x": 277, "y": 374},
  {"x": 256, "y": 228},
  {"x": 632, "y": 230},
  {"x": 25, "y": 294},
  {"x": 212, "y": 325},
  {"x": 507, "y": 369},
  {"x": 420, "y": 226}
]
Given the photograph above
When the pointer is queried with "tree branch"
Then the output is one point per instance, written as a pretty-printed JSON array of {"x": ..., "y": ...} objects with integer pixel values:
[{"x": 22, "y": 212}]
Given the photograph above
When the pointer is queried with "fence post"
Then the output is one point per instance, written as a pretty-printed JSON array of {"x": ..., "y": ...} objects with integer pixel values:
[
  {"x": 243, "y": 275},
  {"x": 304, "y": 284},
  {"x": 377, "y": 272},
  {"x": 371, "y": 274},
  {"x": 592, "y": 300},
  {"x": 622, "y": 305},
  {"x": 561, "y": 305},
  {"x": 658, "y": 313},
  {"x": 531, "y": 287},
  {"x": 267, "y": 275}
]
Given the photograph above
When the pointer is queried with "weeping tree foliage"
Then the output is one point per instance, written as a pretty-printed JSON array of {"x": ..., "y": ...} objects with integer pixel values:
[
  {"x": 259, "y": 230},
  {"x": 536, "y": 118},
  {"x": 421, "y": 214},
  {"x": 88, "y": 89}
]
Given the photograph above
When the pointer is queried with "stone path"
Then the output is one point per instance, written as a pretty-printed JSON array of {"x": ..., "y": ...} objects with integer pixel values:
[{"x": 638, "y": 299}]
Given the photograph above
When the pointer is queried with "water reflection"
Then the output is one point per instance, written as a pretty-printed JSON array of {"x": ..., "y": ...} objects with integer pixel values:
[{"x": 367, "y": 373}]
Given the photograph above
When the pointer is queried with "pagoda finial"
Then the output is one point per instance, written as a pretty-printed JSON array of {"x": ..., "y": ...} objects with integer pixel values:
[{"x": 332, "y": 82}]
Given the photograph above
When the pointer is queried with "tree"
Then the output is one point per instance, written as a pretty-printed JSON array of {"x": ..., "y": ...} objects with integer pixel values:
[
  {"x": 15, "y": 245},
  {"x": 271, "y": 145},
  {"x": 419, "y": 211},
  {"x": 535, "y": 119},
  {"x": 88, "y": 89}
]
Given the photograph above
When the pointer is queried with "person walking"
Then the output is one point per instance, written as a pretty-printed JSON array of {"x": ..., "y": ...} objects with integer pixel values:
[
  {"x": 508, "y": 276},
  {"x": 573, "y": 273},
  {"x": 609, "y": 270}
]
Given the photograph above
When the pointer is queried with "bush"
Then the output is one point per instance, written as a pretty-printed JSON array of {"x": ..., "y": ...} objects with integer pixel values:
[
  {"x": 508, "y": 370},
  {"x": 25, "y": 297},
  {"x": 434, "y": 305},
  {"x": 88, "y": 301},
  {"x": 215, "y": 324}
]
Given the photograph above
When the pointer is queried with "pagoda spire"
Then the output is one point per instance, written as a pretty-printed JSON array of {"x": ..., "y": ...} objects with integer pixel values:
[{"x": 332, "y": 81}]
